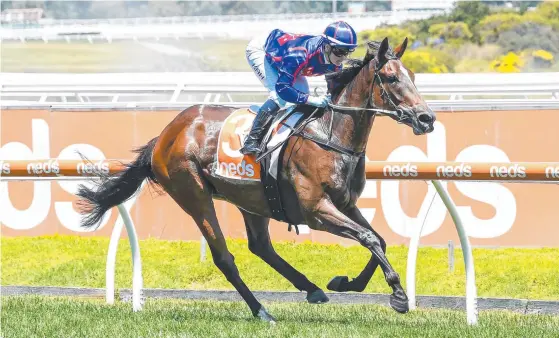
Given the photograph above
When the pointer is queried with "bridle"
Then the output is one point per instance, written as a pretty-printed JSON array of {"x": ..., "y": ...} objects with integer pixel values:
[
  {"x": 400, "y": 115},
  {"x": 397, "y": 114}
]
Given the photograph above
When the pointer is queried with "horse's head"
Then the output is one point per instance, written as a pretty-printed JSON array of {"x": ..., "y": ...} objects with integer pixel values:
[
  {"x": 394, "y": 89},
  {"x": 381, "y": 81}
]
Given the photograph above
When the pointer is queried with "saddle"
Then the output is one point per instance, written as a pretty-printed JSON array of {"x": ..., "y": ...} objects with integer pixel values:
[
  {"x": 279, "y": 120},
  {"x": 232, "y": 164}
]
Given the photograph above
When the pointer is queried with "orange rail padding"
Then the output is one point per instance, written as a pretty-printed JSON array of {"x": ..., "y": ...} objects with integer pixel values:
[
  {"x": 55, "y": 167},
  {"x": 464, "y": 171},
  {"x": 454, "y": 171}
]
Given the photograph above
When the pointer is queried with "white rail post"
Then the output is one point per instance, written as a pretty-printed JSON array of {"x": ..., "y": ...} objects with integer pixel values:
[
  {"x": 137, "y": 280},
  {"x": 111, "y": 262},
  {"x": 136, "y": 259},
  {"x": 412, "y": 267},
  {"x": 471, "y": 292}
]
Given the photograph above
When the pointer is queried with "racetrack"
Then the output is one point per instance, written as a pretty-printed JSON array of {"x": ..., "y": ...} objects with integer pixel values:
[{"x": 32, "y": 316}]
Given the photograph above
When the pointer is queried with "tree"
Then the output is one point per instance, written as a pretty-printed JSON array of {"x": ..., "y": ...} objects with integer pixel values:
[
  {"x": 493, "y": 25},
  {"x": 546, "y": 13},
  {"x": 394, "y": 34},
  {"x": 529, "y": 35},
  {"x": 422, "y": 61},
  {"x": 451, "y": 32},
  {"x": 469, "y": 12}
]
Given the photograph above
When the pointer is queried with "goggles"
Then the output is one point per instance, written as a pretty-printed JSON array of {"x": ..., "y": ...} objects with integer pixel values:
[{"x": 339, "y": 52}]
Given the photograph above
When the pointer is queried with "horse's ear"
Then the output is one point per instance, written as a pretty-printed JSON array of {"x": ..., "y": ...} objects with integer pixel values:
[
  {"x": 399, "y": 51},
  {"x": 382, "y": 53},
  {"x": 369, "y": 55}
]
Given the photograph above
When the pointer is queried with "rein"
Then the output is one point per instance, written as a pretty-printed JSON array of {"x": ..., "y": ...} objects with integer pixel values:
[{"x": 399, "y": 115}]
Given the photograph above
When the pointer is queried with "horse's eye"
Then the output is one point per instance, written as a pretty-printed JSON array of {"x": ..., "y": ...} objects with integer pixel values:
[{"x": 392, "y": 79}]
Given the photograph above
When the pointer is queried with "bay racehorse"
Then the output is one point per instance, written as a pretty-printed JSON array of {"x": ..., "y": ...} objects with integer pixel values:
[{"x": 325, "y": 179}]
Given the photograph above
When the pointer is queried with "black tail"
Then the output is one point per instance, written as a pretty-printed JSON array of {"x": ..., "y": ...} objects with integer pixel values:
[{"x": 114, "y": 189}]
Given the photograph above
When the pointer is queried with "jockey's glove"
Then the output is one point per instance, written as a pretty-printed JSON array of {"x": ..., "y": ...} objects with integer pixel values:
[{"x": 318, "y": 101}]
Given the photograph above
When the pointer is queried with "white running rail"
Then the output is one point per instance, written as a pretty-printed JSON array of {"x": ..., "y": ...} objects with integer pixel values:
[{"x": 235, "y": 87}]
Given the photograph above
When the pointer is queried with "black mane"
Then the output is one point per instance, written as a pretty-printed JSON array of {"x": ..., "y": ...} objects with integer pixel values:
[{"x": 336, "y": 82}]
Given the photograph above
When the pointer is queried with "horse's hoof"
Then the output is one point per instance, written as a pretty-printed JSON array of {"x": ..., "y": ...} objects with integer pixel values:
[
  {"x": 399, "y": 304},
  {"x": 338, "y": 284},
  {"x": 265, "y": 316},
  {"x": 317, "y": 297}
]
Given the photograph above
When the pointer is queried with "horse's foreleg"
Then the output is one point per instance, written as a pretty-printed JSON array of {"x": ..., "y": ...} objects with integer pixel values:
[
  {"x": 327, "y": 217},
  {"x": 259, "y": 243},
  {"x": 358, "y": 284}
]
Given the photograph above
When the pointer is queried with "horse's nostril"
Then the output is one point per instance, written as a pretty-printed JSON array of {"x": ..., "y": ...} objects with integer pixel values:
[{"x": 425, "y": 118}]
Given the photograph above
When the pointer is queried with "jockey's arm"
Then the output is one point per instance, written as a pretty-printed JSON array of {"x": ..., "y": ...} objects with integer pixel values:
[{"x": 288, "y": 72}]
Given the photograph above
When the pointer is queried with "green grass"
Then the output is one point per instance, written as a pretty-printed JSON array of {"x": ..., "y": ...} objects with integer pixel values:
[
  {"x": 61, "y": 57},
  {"x": 33, "y": 316},
  {"x": 224, "y": 55},
  {"x": 80, "y": 261},
  {"x": 123, "y": 56}
]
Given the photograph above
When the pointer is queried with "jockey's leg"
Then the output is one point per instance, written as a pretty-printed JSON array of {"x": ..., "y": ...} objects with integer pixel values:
[
  {"x": 256, "y": 58},
  {"x": 265, "y": 115}
]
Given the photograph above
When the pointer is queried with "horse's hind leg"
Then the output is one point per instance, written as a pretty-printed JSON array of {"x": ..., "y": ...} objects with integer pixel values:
[
  {"x": 259, "y": 243},
  {"x": 358, "y": 284},
  {"x": 189, "y": 191}
]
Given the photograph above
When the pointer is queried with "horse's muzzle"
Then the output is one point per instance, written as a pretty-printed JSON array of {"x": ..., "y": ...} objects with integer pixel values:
[{"x": 424, "y": 121}]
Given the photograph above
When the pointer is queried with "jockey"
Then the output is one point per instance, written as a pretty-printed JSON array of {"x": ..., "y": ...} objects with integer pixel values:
[{"x": 282, "y": 61}]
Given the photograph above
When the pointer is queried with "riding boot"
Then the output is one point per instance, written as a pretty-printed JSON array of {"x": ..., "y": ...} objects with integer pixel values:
[{"x": 264, "y": 116}]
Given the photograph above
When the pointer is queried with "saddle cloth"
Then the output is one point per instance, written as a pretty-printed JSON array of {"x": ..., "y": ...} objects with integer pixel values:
[{"x": 234, "y": 165}]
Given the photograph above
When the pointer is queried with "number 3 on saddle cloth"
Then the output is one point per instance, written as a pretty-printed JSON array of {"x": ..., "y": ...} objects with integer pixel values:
[{"x": 234, "y": 165}]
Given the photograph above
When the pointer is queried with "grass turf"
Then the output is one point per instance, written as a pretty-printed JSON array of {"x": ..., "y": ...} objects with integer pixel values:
[
  {"x": 80, "y": 262},
  {"x": 185, "y": 55},
  {"x": 33, "y": 316}
]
